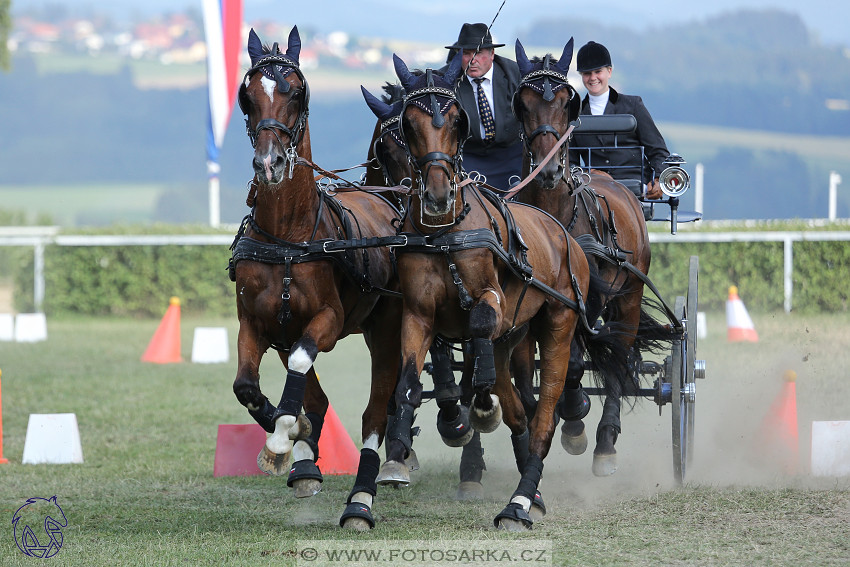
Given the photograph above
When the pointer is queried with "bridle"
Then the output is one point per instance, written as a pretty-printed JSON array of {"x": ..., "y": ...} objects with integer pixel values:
[
  {"x": 277, "y": 67},
  {"x": 547, "y": 82},
  {"x": 389, "y": 128},
  {"x": 435, "y": 101}
]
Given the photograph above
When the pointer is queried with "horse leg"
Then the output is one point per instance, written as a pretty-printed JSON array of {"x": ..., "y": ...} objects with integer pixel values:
[
  {"x": 305, "y": 478},
  {"x": 484, "y": 320},
  {"x": 408, "y": 397},
  {"x": 627, "y": 309},
  {"x": 526, "y": 504},
  {"x": 574, "y": 405},
  {"x": 289, "y": 423},
  {"x": 452, "y": 418},
  {"x": 358, "y": 511}
]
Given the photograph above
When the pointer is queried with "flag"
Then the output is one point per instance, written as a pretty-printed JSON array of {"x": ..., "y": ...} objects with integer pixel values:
[{"x": 223, "y": 30}]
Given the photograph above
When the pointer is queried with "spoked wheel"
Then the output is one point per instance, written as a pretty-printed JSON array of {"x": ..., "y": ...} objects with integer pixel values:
[
  {"x": 684, "y": 370},
  {"x": 678, "y": 362}
]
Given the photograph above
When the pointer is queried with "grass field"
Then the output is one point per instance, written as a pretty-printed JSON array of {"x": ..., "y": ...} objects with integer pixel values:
[{"x": 146, "y": 495}]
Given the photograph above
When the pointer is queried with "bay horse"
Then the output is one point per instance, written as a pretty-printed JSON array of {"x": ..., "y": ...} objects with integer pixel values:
[
  {"x": 389, "y": 166},
  {"x": 479, "y": 269},
  {"x": 608, "y": 219},
  {"x": 309, "y": 270}
]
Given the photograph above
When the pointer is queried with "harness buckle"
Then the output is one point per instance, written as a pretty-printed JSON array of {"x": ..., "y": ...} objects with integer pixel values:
[{"x": 397, "y": 245}]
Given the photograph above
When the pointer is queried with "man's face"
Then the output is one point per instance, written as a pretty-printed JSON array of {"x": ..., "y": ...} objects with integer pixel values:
[
  {"x": 596, "y": 81},
  {"x": 481, "y": 62}
]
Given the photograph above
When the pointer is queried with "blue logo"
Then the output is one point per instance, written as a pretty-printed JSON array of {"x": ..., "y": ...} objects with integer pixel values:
[{"x": 38, "y": 527}]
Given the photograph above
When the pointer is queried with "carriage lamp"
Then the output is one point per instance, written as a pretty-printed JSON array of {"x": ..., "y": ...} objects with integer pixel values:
[{"x": 674, "y": 180}]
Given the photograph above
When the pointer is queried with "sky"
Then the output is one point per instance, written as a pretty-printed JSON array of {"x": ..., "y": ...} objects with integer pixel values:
[{"x": 441, "y": 18}]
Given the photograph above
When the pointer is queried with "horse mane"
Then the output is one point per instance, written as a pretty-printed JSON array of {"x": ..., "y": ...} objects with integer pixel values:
[
  {"x": 539, "y": 60},
  {"x": 394, "y": 92}
]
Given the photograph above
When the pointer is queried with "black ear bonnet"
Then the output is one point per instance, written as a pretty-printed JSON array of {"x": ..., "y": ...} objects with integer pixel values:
[{"x": 546, "y": 76}]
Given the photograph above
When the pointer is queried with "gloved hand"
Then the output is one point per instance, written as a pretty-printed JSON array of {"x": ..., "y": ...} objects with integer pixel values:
[{"x": 653, "y": 191}]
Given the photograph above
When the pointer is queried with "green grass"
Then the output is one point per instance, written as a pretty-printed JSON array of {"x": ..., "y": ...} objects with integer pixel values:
[{"x": 145, "y": 494}]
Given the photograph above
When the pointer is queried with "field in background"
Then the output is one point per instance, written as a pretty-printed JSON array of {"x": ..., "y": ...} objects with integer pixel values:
[{"x": 146, "y": 496}]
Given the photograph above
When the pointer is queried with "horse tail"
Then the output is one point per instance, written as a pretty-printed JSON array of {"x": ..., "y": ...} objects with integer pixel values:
[
  {"x": 652, "y": 336},
  {"x": 605, "y": 346}
]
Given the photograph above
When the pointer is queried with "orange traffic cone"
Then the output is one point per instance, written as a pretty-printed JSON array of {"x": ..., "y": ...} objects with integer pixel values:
[
  {"x": 165, "y": 344},
  {"x": 738, "y": 323},
  {"x": 337, "y": 453},
  {"x": 779, "y": 436}
]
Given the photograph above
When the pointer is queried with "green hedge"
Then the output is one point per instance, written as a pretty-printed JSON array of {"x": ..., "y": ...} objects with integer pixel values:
[{"x": 139, "y": 280}]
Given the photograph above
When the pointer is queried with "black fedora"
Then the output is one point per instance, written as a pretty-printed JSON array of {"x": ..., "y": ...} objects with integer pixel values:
[{"x": 474, "y": 36}]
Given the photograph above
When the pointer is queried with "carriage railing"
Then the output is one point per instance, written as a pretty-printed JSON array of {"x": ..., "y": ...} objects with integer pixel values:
[{"x": 632, "y": 173}]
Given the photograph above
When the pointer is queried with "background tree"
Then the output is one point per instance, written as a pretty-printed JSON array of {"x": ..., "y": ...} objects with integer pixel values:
[{"x": 5, "y": 27}]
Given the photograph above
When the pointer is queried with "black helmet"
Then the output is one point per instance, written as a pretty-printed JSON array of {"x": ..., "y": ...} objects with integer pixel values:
[{"x": 592, "y": 56}]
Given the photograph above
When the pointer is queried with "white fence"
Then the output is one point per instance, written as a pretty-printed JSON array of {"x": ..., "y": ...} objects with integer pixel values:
[{"x": 39, "y": 237}]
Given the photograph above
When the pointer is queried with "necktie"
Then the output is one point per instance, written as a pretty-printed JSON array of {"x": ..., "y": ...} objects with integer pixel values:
[{"x": 485, "y": 112}]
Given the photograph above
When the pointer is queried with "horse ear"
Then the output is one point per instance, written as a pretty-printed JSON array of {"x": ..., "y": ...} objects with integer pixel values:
[
  {"x": 403, "y": 73},
  {"x": 293, "y": 49},
  {"x": 454, "y": 70},
  {"x": 378, "y": 107},
  {"x": 255, "y": 46},
  {"x": 522, "y": 61},
  {"x": 566, "y": 58}
]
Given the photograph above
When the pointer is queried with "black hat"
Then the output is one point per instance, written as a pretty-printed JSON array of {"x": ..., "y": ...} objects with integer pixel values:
[
  {"x": 474, "y": 36},
  {"x": 592, "y": 56}
]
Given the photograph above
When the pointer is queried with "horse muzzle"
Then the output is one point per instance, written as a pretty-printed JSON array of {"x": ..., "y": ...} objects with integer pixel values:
[{"x": 270, "y": 168}]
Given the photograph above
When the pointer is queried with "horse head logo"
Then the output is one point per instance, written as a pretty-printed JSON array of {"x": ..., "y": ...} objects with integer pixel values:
[{"x": 38, "y": 527}]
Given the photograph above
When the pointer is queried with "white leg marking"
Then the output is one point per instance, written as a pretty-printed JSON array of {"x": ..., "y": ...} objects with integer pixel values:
[
  {"x": 522, "y": 501},
  {"x": 300, "y": 361},
  {"x": 280, "y": 441},
  {"x": 371, "y": 442},
  {"x": 302, "y": 451},
  {"x": 363, "y": 498}
]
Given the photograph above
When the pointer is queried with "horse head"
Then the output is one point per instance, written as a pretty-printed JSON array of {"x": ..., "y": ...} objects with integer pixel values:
[
  {"x": 388, "y": 149},
  {"x": 274, "y": 97},
  {"x": 545, "y": 104},
  {"x": 433, "y": 127}
]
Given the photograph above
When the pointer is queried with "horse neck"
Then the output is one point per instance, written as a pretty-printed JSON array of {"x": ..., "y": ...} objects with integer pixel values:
[
  {"x": 559, "y": 202},
  {"x": 289, "y": 209}
]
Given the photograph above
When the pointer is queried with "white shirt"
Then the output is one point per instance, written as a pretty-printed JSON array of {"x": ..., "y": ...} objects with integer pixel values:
[
  {"x": 487, "y": 85},
  {"x": 598, "y": 103}
]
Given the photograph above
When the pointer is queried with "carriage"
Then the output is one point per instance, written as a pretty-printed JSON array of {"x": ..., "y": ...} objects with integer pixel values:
[{"x": 330, "y": 260}]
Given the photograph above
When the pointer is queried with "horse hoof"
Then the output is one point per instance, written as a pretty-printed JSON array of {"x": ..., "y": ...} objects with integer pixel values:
[
  {"x": 394, "y": 473},
  {"x": 573, "y": 441},
  {"x": 486, "y": 421},
  {"x": 538, "y": 508},
  {"x": 458, "y": 432},
  {"x": 604, "y": 465},
  {"x": 306, "y": 488},
  {"x": 511, "y": 525},
  {"x": 412, "y": 461},
  {"x": 357, "y": 524},
  {"x": 470, "y": 490},
  {"x": 275, "y": 464},
  {"x": 304, "y": 425}
]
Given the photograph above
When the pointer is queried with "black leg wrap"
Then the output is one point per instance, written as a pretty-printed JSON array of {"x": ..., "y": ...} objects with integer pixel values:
[
  {"x": 293, "y": 394},
  {"x": 367, "y": 473},
  {"x": 574, "y": 404},
  {"x": 304, "y": 469},
  {"x": 445, "y": 388},
  {"x": 265, "y": 416},
  {"x": 484, "y": 374},
  {"x": 520, "y": 445},
  {"x": 400, "y": 427},
  {"x": 454, "y": 430},
  {"x": 316, "y": 421},
  {"x": 610, "y": 415},
  {"x": 472, "y": 460},
  {"x": 530, "y": 477}
]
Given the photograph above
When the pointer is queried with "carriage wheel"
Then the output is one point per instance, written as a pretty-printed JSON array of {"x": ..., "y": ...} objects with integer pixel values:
[
  {"x": 691, "y": 332},
  {"x": 678, "y": 363}
]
